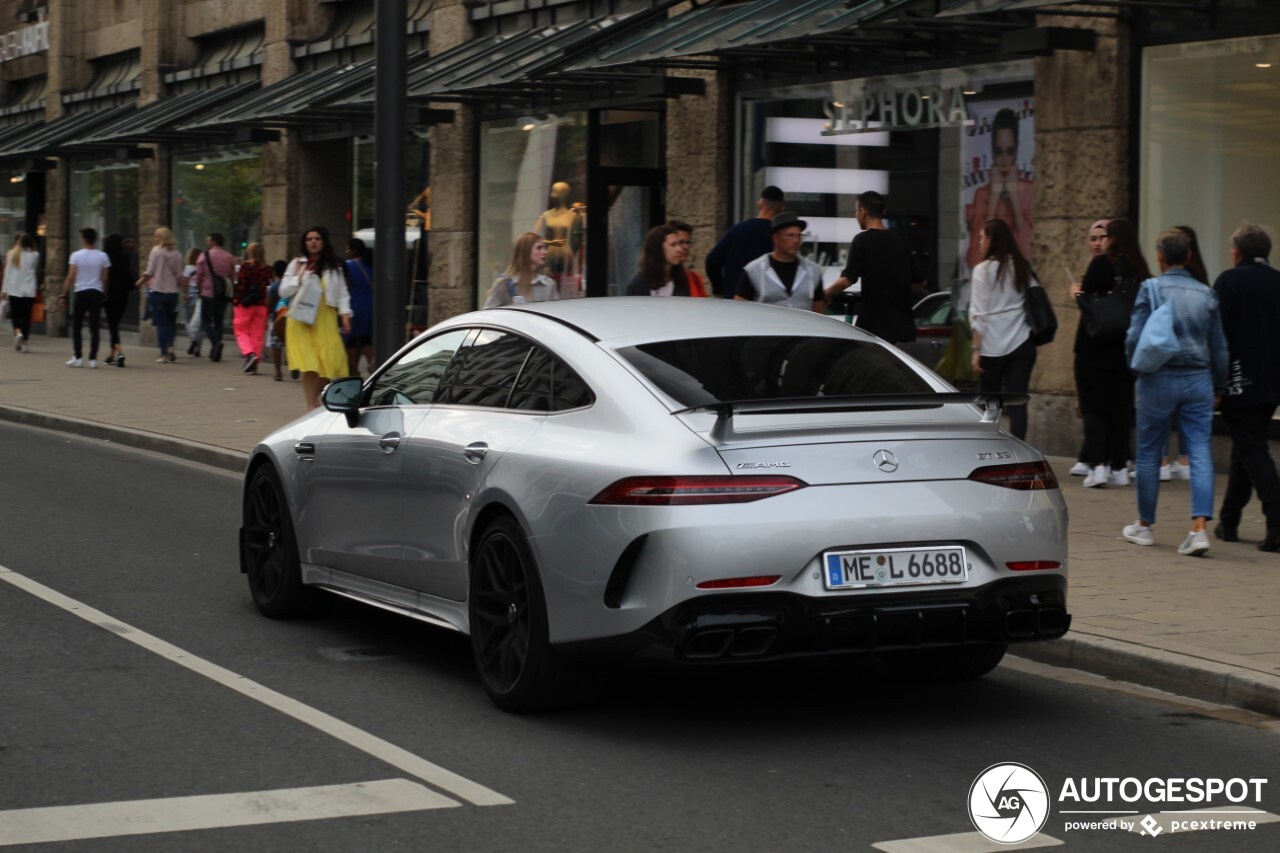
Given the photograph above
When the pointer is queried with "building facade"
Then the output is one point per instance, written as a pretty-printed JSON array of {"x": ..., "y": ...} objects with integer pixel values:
[{"x": 589, "y": 121}]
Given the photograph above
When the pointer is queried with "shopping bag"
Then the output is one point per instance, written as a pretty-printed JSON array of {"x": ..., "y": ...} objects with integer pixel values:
[
  {"x": 956, "y": 364},
  {"x": 306, "y": 302}
]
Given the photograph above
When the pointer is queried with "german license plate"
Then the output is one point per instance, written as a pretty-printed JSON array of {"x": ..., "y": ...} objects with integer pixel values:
[{"x": 895, "y": 567}]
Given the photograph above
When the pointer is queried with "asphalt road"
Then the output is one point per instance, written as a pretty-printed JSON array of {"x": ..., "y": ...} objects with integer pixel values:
[{"x": 135, "y": 671}]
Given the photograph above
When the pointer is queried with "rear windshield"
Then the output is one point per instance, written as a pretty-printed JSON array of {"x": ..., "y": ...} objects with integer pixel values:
[{"x": 711, "y": 370}]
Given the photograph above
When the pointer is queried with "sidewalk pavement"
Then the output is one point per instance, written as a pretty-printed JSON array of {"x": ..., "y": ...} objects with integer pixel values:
[{"x": 1208, "y": 627}]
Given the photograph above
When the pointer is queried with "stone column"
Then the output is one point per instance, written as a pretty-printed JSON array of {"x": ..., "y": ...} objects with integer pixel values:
[
  {"x": 66, "y": 73},
  {"x": 1082, "y": 174},
  {"x": 453, "y": 178},
  {"x": 699, "y": 161}
]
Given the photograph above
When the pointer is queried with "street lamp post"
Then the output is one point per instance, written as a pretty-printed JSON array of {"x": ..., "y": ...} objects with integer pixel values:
[{"x": 388, "y": 196}]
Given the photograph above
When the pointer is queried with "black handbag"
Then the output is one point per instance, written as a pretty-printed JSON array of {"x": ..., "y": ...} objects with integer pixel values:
[
  {"x": 1106, "y": 315},
  {"x": 1040, "y": 316}
]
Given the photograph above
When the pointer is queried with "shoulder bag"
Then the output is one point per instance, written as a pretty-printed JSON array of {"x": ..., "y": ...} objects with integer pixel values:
[
  {"x": 1040, "y": 316},
  {"x": 1106, "y": 315},
  {"x": 220, "y": 288},
  {"x": 1158, "y": 341}
]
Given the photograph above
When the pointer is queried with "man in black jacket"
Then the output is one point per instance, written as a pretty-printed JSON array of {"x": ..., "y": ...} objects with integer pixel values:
[{"x": 1249, "y": 296}]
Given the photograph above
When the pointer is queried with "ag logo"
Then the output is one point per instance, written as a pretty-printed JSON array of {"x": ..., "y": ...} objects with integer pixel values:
[{"x": 1008, "y": 803}]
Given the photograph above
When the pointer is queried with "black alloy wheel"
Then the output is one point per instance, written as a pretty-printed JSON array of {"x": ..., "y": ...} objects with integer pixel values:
[
  {"x": 520, "y": 670},
  {"x": 269, "y": 550}
]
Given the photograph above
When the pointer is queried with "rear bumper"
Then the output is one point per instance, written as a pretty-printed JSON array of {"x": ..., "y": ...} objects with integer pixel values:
[{"x": 757, "y": 626}]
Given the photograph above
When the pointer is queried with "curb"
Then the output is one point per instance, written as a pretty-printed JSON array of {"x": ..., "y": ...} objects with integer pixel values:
[
  {"x": 1184, "y": 675},
  {"x": 181, "y": 448}
]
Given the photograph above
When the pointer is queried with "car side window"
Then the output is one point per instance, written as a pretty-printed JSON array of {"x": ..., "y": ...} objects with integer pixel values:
[
  {"x": 415, "y": 376},
  {"x": 933, "y": 311},
  {"x": 547, "y": 384},
  {"x": 485, "y": 371}
]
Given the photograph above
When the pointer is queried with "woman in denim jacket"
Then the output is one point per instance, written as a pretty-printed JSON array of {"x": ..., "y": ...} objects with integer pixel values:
[{"x": 1187, "y": 386}]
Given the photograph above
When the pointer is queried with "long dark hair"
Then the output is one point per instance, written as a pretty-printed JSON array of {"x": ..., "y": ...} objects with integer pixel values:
[
  {"x": 119, "y": 273},
  {"x": 329, "y": 259},
  {"x": 1123, "y": 250},
  {"x": 1194, "y": 264},
  {"x": 1002, "y": 247},
  {"x": 653, "y": 263}
]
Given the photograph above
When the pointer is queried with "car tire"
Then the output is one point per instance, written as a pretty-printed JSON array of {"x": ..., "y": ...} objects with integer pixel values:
[
  {"x": 520, "y": 670},
  {"x": 269, "y": 549},
  {"x": 951, "y": 663}
]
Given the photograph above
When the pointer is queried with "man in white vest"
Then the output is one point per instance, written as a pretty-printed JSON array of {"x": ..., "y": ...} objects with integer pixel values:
[{"x": 783, "y": 277}]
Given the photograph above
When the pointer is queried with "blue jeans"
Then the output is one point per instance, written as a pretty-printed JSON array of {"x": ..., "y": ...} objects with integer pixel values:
[
  {"x": 164, "y": 309},
  {"x": 1187, "y": 395}
]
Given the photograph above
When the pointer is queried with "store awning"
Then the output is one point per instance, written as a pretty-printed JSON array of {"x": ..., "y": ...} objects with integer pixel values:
[
  {"x": 978, "y": 7},
  {"x": 299, "y": 100},
  {"x": 49, "y": 138},
  {"x": 723, "y": 29},
  {"x": 157, "y": 122}
]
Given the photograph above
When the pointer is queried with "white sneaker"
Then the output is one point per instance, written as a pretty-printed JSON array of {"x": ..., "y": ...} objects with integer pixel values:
[
  {"x": 1097, "y": 477},
  {"x": 1166, "y": 473},
  {"x": 1118, "y": 478},
  {"x": 1178, "y": 471},
  {"x": 1195, "y": 544},
  {"x": 74, "y": 362},
  {"x": 17, "y": 341},
  {"x": 24, "y": 348},
  {"x": 93, "y": 362},
  {"x": 1080, "y": 469},
  {"x": 1140, "y": 535}
]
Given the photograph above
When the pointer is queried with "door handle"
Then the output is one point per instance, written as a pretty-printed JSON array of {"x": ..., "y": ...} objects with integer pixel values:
[
  {"x": 389, "y": 442},
  {"x": 475, "y": 451},
  {"x": 304, "y": 449}
]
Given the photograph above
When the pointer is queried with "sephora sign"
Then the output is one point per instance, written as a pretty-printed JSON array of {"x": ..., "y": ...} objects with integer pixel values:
[{"x": 894, "y": 108}]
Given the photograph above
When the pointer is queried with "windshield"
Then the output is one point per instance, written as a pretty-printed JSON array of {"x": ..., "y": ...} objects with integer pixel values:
[{"x": 711, "y": 370}]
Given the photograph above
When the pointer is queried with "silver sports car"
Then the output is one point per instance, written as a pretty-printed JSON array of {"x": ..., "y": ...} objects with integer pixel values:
[{"x": 575, "y": 483}]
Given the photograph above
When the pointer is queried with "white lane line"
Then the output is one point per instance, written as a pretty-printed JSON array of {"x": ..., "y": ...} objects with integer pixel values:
[
  {"x": 961, "y": 842},
  {"x": 432, "y": 774},
  {"x": 183, "y": 814}
]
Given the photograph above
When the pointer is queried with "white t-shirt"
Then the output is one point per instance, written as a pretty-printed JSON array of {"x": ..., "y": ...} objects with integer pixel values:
[
  {"x": 89, "y": 264},
  {"x": 666, "y": 289}
]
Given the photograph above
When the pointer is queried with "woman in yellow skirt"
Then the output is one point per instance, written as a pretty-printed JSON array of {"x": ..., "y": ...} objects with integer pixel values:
[{"x": 316, "y": 349}]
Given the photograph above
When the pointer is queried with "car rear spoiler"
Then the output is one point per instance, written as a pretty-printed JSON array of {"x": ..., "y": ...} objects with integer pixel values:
[{"x": 990, "y": 403}]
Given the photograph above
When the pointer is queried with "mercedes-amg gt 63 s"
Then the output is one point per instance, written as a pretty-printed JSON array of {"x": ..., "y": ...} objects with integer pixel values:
[{"x": 575, "y": 483}]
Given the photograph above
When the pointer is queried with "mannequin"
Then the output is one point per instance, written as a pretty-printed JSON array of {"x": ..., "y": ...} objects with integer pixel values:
[{"x": 562, "y": 228}]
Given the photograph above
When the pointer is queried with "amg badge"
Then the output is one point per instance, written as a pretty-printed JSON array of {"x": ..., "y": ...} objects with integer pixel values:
[{"x": 742, "y": 465}]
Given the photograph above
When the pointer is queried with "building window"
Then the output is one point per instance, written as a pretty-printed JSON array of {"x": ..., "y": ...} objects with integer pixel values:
[
  {"x": 13, "y": 207},
  {"x": 533, "y": 177},
  {"x": 218, "y": 193},
  {"x": 105, "y": 198},
  {"x": 1209, "y": 130}
]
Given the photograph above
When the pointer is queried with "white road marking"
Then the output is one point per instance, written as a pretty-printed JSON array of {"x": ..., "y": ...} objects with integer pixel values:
[
  {"x": 961, "y": 842},
  {"x": 182, "y": 814},
  {"x": 432, "y": 774}
]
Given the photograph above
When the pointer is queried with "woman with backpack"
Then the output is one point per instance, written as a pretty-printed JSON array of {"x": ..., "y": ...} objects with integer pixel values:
[
  {"x": 162, "y": 277},
  {"x": 249, "y": 314},
  {"x": 522, "y": 281}
]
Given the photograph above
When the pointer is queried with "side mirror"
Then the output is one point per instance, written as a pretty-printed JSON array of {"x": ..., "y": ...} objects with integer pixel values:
[{"x": 343, "y": 395}]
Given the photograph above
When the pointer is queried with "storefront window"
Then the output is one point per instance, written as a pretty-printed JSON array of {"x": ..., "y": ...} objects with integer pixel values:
[
  {"x": 1210, "y": 121},
  {"x": 948, "y": 149},
  {"x": 218, "y": 193},
  {"x": 13, "y": 207},
  {"x": 533, "y": 177},
  {"x": 106, "y": 199}
]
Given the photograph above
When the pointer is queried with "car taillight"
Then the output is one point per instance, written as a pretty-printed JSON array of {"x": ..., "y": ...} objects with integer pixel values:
[
  {"x": 686, "y": 491},
  {"x": 740, "y": 583},
  {"x": 1025, "y": 476},
  {"x": 1033, "y": 565}
]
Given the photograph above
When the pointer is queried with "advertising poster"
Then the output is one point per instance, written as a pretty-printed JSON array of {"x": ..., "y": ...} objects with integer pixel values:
[{"x": 998, "y": 173}]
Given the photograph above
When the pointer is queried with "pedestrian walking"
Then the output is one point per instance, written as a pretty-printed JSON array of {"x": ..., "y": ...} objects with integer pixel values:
[
  {"x": 315, "y": 346},
  {"x": 162, "y": 279},
  {"x": 523, "y": 281},
  {"x": 1181, "y": 360},
  {"x": 190, "y": 292},
  {"x": 662, "y": 271},
  {"x": 20, "y": 287},
  {"x": 87, "y": 273},
  {"x": 889, "y": 273},
  {"x": 1103, "y": 380},
  {"x": 249, "y": 301},
  {"x": 215, "y": 277},
  {"x": 743, "y": 243},
  {"x": 784, "y": 277},
  {"x": 1249, "y": 298},
  {"x": 275, "y": 342},
  {"x": 1003, "y": 352},
  {"x": 121, "y": 282},
  {"x": 360, "y": 283},
  {"x": 1097, "y": 234}
]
